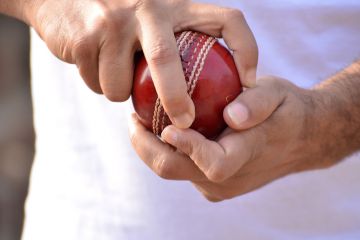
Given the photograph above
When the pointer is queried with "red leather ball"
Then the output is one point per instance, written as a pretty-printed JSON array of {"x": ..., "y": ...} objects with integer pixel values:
[{"x": 211, "y": 77}]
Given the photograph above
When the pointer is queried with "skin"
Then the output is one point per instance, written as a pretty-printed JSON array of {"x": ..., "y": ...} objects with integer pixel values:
[
  {"x": 102, "y": 36},
  {"x": 275, "y": 129}
]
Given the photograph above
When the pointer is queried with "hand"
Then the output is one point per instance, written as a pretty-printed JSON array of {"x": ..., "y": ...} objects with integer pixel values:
[
  {"x": 276, "y": 129},
  {"x": 102, "y": 36}
]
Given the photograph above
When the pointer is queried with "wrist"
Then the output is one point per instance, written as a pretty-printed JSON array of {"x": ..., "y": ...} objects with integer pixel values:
[
  {"x": 336, "y": 117},
  {"x": 28, "y": 11},
  {"x": 22, "y": 10},
  {"x": 328, "y": 128},
  {"x": 16, "y": 8},
  {"x": 311, "y": 146}
]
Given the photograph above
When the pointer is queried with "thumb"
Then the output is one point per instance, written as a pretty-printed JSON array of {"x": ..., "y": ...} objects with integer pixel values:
[{"x": 255, "y": 105}]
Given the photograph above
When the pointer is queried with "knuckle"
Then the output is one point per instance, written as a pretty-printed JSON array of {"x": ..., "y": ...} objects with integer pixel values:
[
  {"x": 113, "y": 23},
  {"x": 281, "y": 86},
  {"x": 272, "y": 81},
  {"x": 85, "y": 42},
  {"x": 162, "y": 53},
  {"x": 188, "y": 148},
  {"x": 217, "y": 173},
  {"x": 173, "y": 103},
  {"x": 234, "y": 14},
  {"x": 108, "y": 21},
  {"x": 100, "y": 21},
  {"x": 276, "y": 84},
  {"x": 82, "y": 49},
  {"x": 199, "y": 151},
  {"x": 163, "y": 168},
  {"x": 216, "y": 176},
  {"x": 264, "y": 80},
  {"x": 115, "y": 96}
]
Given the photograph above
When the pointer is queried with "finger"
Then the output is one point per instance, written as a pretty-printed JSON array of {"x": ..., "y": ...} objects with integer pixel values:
[
  {"x": 164, "y": 160},
  {"x": 230, "y": 24},
  {"x": 255, "y": 105},
  {"x": 230, "y": 188},
  {"x": 217, "y": 161},
  {"x": 208, "y": 195},
  {"x": 160, "y": 50},
  {"x": 86, "y": 60},
  {"x": 116, "y": 69}
]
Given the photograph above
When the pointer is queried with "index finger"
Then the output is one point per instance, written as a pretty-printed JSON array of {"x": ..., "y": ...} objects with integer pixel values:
[
  {"x": 217, "y": 160},
  {"x": 161, "y": 53},
  {"x": 231, "y": 25},
  {"x": 161, "y": 157}
]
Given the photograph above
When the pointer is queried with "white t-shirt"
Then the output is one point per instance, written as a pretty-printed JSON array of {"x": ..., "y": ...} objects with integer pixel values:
[{"x": 87, "y": 182}]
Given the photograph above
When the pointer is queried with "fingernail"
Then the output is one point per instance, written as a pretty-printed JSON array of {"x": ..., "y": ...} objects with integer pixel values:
[
  {"x": 238, "y": 113},
  {"x": 183, "y": 121}
]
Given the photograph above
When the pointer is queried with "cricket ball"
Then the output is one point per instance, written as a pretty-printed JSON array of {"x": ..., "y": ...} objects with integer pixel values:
[{"x": 212, "y": 82}]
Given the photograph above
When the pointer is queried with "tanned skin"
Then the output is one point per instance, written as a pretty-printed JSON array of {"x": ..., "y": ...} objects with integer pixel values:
[
  {"x": 285, "y": 130},
  {"x": 102, "y": 36},
  {"x": 275, "y": 128},
  {"x": 339, "y": 102}
]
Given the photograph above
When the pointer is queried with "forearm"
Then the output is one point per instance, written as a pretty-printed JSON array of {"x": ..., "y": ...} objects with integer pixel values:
[
  {"x": 338, "y": 115},
  {"x": 16, "y": 8}
]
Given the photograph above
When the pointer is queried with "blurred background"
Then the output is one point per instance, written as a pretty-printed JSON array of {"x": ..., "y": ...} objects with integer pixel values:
[{"x": 16, "y": 128}]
